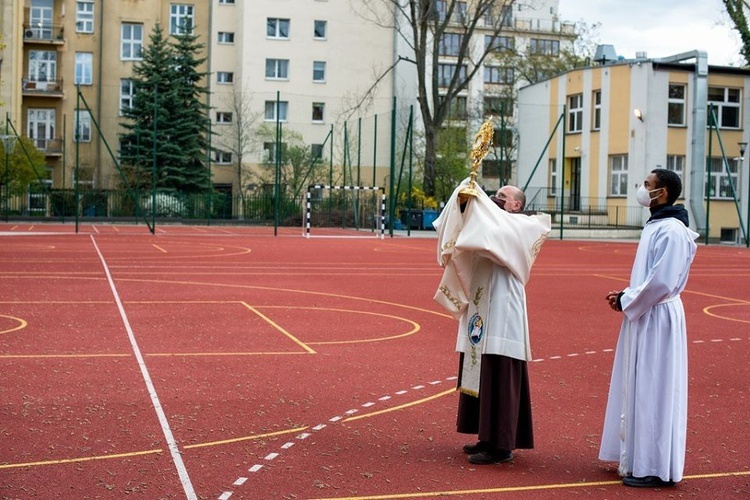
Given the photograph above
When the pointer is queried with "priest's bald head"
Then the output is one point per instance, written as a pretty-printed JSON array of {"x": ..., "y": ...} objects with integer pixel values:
[{"x": 510, "y": 198}]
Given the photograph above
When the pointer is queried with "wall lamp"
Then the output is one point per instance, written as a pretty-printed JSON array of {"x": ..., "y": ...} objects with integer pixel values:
[
  {"x": 638, "y": 114},
  {"x": 743, "y": 148}
]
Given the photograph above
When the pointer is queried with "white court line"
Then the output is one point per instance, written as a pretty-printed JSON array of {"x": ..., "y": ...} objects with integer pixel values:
[{"x": 187, "y": 485}]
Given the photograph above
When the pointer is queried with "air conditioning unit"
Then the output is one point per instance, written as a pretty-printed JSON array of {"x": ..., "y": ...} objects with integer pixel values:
[{"x": 29, "y": 34}]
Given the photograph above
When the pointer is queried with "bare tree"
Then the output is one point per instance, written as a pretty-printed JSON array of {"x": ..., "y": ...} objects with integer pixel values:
[
  {"x": 239, "y": 137},
  {"x": 737, "y": 10},
  {"x": 429, "y": 28}
]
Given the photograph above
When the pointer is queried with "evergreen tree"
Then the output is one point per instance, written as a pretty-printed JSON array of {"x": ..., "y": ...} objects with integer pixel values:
[{"x": 166, "y": 124}]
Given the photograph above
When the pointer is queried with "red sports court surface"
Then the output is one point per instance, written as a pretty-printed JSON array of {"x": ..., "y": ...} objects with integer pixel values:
[{"x": 223, "y": 362}]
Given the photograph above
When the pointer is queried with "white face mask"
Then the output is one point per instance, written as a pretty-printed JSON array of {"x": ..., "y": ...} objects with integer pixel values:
[{"x": 643, "y": 196}]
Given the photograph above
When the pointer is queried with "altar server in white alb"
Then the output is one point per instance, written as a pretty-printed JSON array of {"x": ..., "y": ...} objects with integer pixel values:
[
  {"x": 487, "y": 252},
  {"x": 645, "y": 424}
]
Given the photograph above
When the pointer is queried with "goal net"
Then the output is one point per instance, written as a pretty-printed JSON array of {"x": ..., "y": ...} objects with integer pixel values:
[{"x": 344, "y": 211}]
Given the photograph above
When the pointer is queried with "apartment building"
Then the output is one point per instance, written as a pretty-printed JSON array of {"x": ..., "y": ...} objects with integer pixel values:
[{"x": 622, "y": 119}]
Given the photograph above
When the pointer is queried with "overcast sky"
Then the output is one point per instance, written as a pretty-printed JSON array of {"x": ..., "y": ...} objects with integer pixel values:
[{"x": 659, "y": 27}]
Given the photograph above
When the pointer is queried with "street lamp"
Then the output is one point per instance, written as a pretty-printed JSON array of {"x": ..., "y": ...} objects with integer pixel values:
[{"x": 743, "y": 148}]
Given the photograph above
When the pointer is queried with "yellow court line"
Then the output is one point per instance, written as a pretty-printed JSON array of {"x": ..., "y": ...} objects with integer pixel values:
[
  {"x": 21, "y": 326},
  {"x": 511, "y": 489},
  {"x": 245, "y": 438},
  {"x": 399, "y": 407},
  {"x": 52, "y": 356},
  {"x": 82, "y": 459},
  {"x": 279, "y": 328}
]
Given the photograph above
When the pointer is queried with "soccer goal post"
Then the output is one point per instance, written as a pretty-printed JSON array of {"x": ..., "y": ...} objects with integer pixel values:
[{"x": 344, "y": 211}]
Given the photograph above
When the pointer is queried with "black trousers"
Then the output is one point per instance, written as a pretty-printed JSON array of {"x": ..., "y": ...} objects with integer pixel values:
[{"x": 501, "y": 415}]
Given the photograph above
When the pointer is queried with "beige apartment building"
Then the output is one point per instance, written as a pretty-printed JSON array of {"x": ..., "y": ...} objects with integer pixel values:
[{"x": 607, "y": 126}]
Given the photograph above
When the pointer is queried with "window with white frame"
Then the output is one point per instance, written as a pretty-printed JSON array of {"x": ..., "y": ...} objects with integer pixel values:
[
  {"x": 446, "y": 72},
  {"x": 676, "y": 163},
  {"x": 618, "y": 175},
  {"x": 277, "y": 28},
  {"x": 131, "y": 42},
  {"x": 272, "y": 113},
  {"x": 224, "y": 117},
  {"x": 318, "y": 112},
  {"x": 226, "y": 2},
  {"x": 181, "y": 19},
  {"x": 225, "y": 37},
  {"x": 277, "y": 69},
  {"x": 82, "y": 126},
  {"x": 320, "y": 29},
  {"x": 575, "y": 113},
  {"x": 222, "y": 157},
  {"x": 319, "y": 71},
  {"x": 676, "y": 105},
  {"x": 456, "y": 108},
  {"x": 224, "y": 77},
  {"x": 596, "y": 111},
  {"x": 498, "y": 74},
  {"x": 40, "y": 126},
  {"x": 42, "y": 65},
  {"x": 84, "y": 17},
  {"x": 450, "y": 44},
  {"x": 84, "y": 68},
  {"x": 553, "y": 177},
  {"x": 127, "y": 94},
  {"x": 722, "y": 178},
  {"x": 726, "y": 106},
  {"x": 541, "y": 46}
]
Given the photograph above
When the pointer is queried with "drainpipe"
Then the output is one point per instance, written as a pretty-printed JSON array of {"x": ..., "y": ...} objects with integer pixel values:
[
  {"x": 98, "y": 167},
  {"x": 698, "y": 133}
]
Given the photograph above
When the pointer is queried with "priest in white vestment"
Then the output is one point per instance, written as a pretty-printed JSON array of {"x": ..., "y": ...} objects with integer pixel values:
[
  {"x": 487, "y": 253},
  {"x": 645, "y": 424}
]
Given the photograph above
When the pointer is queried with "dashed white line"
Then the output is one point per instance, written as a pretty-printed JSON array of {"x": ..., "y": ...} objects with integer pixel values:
[
  {"x": 384, "y": 398},
  {"x": 240, "y": 481},
  {"x": 286, "y": 446},
  {"x": 367, "y": 405},
  {"x": 225, "y": 495},
  {"x": 271, "y": 456},
  {"x": 255, "y": 468},
  {"x": 319, "y": 426},
  {"x": 417, "y": 387}
]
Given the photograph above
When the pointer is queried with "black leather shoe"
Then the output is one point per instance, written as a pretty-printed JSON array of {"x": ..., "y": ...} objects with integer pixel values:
[
  {"x": 486, "y": 457},
  {"x": 646, "y": 482},
  {"x": 480, "y": 446}
]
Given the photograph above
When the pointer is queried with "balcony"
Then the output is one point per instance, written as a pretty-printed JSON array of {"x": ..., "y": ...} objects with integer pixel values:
[
  {"x": 50, "y": 147},
  {"x": 37, "y": 88},
  {"x": 43, "y": 34}
]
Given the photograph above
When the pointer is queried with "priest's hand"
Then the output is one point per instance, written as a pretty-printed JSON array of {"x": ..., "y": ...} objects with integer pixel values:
[{"x": 612, "y": 299}]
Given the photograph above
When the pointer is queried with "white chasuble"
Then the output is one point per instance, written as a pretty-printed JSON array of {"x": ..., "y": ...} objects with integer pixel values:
[
  {"x": 487, "y": 255},
  {"x": 645, "y": 424}
]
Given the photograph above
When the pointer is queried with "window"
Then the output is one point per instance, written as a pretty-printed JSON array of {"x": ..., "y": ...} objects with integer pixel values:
[
  {"x": 497, "y": 74},
  {"x": 277, "y": 69},
  {"x": 277, "y": 28},
  {"x": 446, "y": 72},
  {"x": 224, "y": 77},
  {"x": 316, "y": 151},
  {"x": 181, "y": 19},
  {"x": 541, "y": 46},
  {"x": 127, "y": 94},
  {"x": 320, "y": 30},
  {"x": 553, "y": 177},
  {"x": 676, "y": 105},
  {"x": 223, "y": 117},
  {"x": 457, "y": 107},
  {"x": 226, "y": 2},
  {"x": 131, "y": 43},
  {"x": 459, "y": 11},
  {"x": 575, "y": 113},
  {"x": 82, "y": 126},
  {"x": 618, "y": 175},
  {"x": 676, "y": 163},
  {"x": 318, "y": 111},
  {"x": 596, "y": 111},
  {"x": 84, "y": 68},
  {"x": 269, "y": 151},
  {"x": 40, "y": 123},
  {"x": 271, "y": 115},
  {"x": 84, "y": 17},
  {"x": 494, "y": 168},
  {"x": 223, "y": 157},
  {"x": 502, "y": 138},
  {"x": 319, "y": 71},
  {"x": 450, "y": 44},
  {"x": 718, "y": 184},
  {"x": 42, "y": 65},
  {"x": 726, "y": 104},
  {"x": 498, "y": 106},
  {"x": 226, "y": 37},
  {"x": 500, "y": 43}
]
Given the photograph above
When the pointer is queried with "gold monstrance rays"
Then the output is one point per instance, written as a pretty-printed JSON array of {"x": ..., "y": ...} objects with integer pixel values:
[{"x": 482, "y": 145}]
